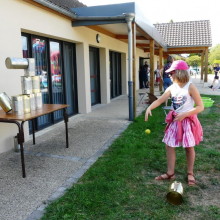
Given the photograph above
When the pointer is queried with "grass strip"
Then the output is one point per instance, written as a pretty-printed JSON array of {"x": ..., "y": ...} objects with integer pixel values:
[{"x": 121, "y": 185}]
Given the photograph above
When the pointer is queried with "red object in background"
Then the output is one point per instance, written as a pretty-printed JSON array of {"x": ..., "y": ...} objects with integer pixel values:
[
  {"x": 57, "y": 78},
  {"x": 54, "y": 59}
]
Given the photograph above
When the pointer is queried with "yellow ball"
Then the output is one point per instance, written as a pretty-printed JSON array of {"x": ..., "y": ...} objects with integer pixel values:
[{"x": 147, "y": 131}]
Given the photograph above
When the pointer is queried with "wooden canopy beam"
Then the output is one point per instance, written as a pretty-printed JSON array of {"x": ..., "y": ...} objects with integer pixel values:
[
  {"x": 161, "y": 65},
  {"x": 202, "y": 64},
  {"x": 206, "y": 64},
  {"x": 152, "y": 66},
  {"x": 126, "y": 37},
  {"x": 183, "y": 52},
  {"x": 143, "y": 45},
  {"x": 185, "y": 49},
  {"x": 147, "y": 50}
]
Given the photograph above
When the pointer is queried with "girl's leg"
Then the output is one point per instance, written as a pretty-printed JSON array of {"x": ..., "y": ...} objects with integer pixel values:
[
  {"x": 190, "y": 159},
  {"x": 171, "y": 159}
]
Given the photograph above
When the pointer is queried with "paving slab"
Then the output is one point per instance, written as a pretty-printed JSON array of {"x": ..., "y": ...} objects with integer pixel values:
[
  {"x": 21, "y": 196},
  {"x": 83, "y": 136}
]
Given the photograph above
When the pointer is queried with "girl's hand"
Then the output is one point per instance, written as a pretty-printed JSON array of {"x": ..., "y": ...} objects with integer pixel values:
[
  {"x": 148, "y": 112},
  {"x": 180, "y": 116}
]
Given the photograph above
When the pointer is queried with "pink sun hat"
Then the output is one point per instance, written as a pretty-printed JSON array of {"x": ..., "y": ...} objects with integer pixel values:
[{"x": 178, "y": 65}]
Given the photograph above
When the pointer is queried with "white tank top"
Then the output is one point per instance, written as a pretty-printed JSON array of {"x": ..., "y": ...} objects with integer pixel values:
[{"x": 181, "y": 100}]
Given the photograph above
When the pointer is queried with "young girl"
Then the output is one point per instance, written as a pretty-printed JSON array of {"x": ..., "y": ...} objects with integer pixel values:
[{"x": 183, "y": 127}]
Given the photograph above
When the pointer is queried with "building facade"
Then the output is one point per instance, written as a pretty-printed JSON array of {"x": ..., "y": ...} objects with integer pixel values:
[{"x": 74, "y": 68}]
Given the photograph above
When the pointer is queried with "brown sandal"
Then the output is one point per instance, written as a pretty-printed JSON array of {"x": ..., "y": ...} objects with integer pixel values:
[
  {"x": 169, "y": 177},
  {"x": 191, "y": 182}
]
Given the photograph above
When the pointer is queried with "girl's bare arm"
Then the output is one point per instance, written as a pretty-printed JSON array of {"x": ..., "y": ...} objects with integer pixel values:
[{"x": 157, "y": 103}]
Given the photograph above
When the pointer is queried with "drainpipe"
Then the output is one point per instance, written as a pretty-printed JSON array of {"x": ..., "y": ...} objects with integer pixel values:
[{"x": 129, "y": 18}]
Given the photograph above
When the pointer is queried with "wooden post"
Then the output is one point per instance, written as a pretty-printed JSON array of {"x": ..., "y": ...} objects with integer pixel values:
[
  {"x": 152, "y": 66},
  {"x": 202, "y": 64},
  {"x": 206, "y": 64},
  {"x": 134, "y": 68},
  {"x": 161, "y": 65}
]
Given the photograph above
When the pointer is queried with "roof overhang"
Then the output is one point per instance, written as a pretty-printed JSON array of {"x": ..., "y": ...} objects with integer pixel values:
[{"x": 112, "y": 18}]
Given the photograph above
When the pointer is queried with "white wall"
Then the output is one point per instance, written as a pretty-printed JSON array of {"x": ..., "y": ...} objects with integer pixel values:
[{"x": 19, "y": 16}]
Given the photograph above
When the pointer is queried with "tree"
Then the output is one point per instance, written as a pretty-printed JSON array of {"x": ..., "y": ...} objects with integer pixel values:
[
  {"x": 194, "y": 54},
  {"x": 194, "y": 60},
  {"x": 171, "y": 21},
  {"x": 214, "y": 54}
]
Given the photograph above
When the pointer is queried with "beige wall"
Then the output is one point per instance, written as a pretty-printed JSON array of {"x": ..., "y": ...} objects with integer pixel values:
[{"x": 19, "y": 16}]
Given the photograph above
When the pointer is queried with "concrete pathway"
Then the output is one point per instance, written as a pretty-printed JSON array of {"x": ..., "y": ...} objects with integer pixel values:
[{"x": 51, "y": 168}]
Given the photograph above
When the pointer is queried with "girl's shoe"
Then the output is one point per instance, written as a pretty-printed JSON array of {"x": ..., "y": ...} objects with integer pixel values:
[
  {"x": 168, "y": 177},
  {"x": 213, "y": 88},
  {"x": 191, "y": 182}
]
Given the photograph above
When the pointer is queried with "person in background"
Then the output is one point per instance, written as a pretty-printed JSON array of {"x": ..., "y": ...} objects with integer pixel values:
[
  {"x": 157, "y": 75},
  {"x": 143, "y": 76},
  {"x": 147, "y": 69},
  {"x": 166, "y": 75},
  {"x": 218, "y": 85},
  {"x": 140, "y": 78},
  {"x": 216, "y": 69},
  {"x": 190, "y": 73}
]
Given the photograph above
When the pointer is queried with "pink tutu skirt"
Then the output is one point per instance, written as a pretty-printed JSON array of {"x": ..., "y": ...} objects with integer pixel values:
[{"x": 188, "y": 140}]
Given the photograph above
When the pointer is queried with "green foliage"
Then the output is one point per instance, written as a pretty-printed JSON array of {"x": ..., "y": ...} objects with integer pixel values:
[
  {"x": 171, "y": 21},
  {"x": 214, "y": 54},
  {"x": 178, "y": 57},
  {"x": 217, "y": 61},
  {"x": 195, "y": 54},
  {"x": 194, "y": 60}
]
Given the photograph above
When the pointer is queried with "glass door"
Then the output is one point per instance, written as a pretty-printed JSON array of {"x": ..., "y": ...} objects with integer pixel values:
[
  {"x": 94, "y": 75},
  {"x": 39, "y": 52},
  {"x": 70, "y": 78},
  {"x": 56, "y": 77},
  {"x": 115, "y": 74}
]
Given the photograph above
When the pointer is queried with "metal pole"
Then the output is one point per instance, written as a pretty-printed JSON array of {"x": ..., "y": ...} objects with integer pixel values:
[{"x": 129, "y": 18}]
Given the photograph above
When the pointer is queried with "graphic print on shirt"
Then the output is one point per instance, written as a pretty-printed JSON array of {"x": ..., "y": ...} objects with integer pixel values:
[{"x": 178, "y": 101}]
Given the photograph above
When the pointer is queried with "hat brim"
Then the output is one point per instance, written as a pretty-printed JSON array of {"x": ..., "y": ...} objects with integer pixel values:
[{"x": 169, "y": 70}]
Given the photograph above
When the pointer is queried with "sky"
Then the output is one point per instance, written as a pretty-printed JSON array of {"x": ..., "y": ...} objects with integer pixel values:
[{"x": 162, "y": 11}]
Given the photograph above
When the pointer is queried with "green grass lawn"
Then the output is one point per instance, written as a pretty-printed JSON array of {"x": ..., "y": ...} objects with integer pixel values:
[{"x": 121, "y": 185}]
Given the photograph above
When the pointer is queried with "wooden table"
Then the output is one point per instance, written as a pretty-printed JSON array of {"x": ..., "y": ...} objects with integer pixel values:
[{"x": 13, "y": 118}]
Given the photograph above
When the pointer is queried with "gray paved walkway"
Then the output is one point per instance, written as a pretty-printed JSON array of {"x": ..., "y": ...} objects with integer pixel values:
[{"x": 51, "y": 168}]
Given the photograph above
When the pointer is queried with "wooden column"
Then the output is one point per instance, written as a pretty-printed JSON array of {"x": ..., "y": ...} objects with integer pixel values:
[
  {"x": 152, "y": 66},
  {"x": 202, "y": 64},
  {"x": 134, "y": 68},
  {"x": 161, "y": 65},
  {"x": 206, "y": 64}
]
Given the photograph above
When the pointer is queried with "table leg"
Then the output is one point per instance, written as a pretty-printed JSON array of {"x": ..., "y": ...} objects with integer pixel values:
[
  {"x": 21, "y": 140},
  {"x": 66, "y": 127},
  {"x": 33, "y": 131},
  {"x": 20, "y": 136}
]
